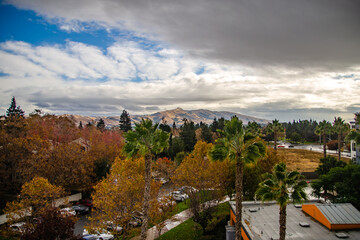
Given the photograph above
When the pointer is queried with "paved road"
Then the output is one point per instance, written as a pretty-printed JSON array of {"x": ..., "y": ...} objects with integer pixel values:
[
  {"x": 79, "y": 225},
  {"x": 315, "y": 147}
]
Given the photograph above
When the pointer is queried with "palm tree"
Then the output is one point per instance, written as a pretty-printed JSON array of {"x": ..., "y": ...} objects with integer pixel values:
[
  {"x": 341, "y": 128},
  {"x": 240, "y": 147},
  {"x": 324, "y": 128},
  {"x": 146, "y": 140},
  {"x": 275, "y": 127},
  {"x": 280, "y": 186},
  {"x": 355, "y": 133}
]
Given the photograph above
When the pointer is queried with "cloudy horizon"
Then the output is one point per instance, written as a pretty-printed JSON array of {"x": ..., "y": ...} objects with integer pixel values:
[{"x": 279, "y": 59}]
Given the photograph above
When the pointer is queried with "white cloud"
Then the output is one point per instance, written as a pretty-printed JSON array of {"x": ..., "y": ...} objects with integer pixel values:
[{"x": 79, "y": 78}]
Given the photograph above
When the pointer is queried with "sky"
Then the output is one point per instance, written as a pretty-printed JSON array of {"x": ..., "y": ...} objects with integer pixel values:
[{"x": 280, "y": 59}]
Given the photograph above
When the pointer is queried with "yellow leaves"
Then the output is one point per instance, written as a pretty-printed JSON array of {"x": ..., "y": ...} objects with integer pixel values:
[{"x": 35, "y": 195}]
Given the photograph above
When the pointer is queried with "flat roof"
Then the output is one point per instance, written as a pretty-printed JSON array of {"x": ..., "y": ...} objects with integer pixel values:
[{"x": 264, "y": 223}]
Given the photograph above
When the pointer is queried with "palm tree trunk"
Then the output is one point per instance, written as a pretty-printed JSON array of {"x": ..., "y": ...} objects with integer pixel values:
[
  {"x": 146, "y": 202},
  {"x": 275, "y": 140},
  {"x": 282, "y": 222},
  {"x": 238, "y": 187},
  {"x": 324, "y": 140}
]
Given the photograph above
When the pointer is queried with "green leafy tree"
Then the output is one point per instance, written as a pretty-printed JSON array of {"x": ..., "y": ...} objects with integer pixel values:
[
  {"x": 275, "y": 127},
  {"x": 146, "y": 140},
  {"x": 355, "y": 133},
  {"x": 344, "y": 181},
  {"x": 125, "y": 121},
  {"x": 341, "y": 128},
  {"x": 280, "y": 186},
  {"x": 327, "y": 163},
  {"x": 242, "y": 148},
  {"x": 323, "y": 129},
  {"x": 254, "y": 128},
  {"x": 100, "y": 124},
  {"x": 13, "y": 110}
]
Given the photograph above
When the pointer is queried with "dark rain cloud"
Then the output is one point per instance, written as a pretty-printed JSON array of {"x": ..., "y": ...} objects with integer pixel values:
[{"x": 321, "y": 33}]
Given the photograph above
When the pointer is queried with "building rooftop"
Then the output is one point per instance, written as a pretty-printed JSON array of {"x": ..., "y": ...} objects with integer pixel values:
[{"x": 262, "y": 220}]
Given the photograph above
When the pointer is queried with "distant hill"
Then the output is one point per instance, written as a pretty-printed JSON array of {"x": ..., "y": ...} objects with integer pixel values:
[{"x": 176, "y": 115}]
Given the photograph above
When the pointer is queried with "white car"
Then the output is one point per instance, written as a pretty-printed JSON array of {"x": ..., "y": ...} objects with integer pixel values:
[
  {"x": 18, "y": 227},
  {"x": 102, "y": 235},
  {"x": 179, "y": 196},
  {"x": 68, "y": 211}
]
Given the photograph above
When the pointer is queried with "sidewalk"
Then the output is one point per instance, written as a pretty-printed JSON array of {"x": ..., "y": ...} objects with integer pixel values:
[{"x": 176, "y": 220}]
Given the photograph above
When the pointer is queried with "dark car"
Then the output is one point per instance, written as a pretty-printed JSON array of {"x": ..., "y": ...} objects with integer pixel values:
[
  {"x": 291, "y": 146},
  {"x": 85, "y": 202},
  {"x": 81, "y": 209}
]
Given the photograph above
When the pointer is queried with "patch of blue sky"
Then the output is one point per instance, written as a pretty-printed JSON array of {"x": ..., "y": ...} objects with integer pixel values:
[
  {"x": 2, "y": 74},
  {"x": 24, "y": 25},
  {"x": 137, "y": 79},
  {"x": 200, "y": 70},
  {"x": 344, "y": 76},
  {"x": 27, "y": 26}
]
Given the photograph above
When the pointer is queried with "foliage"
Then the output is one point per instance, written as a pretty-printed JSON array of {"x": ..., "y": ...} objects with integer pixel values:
[
  {"x": 355, "y": 133},
  {"x": 327, "y": 163},
  {"x": 197, "y": 173},
  {"x": 342, "y": 129},
  {"x": 34, "y": 196},
  {"x": 187, "y": 135},
  {"x": 304, "y": 128},
  {"x": 280, "y": 186},
  {"x": 13, "y": 110},
  {"x": 275, "y": 128},
  {"x": 100, "y": 124},
  {"x": 125, "y": 121},
  {"x": 190, "y": 230},
  {"x": 164, "y": 167},
  {"x": 295, "y": 137},
  {"x": 53, "y": 225},
  {"x": 241, "y": 148},
  {"x": 147, "y": 141},
  {"x": 343, "y": 182},
  {"x": 253, "y": 128}
]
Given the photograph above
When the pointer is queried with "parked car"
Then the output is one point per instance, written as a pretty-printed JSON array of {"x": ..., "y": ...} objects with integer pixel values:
[
  {"x": 179, "y": 196},
  {"x": 85, "y": 202},
  {"x": 291, "y": 146},
  {"x": 187, "y": 189},
  {"x": 68, "y": 211},
  {"x": 18, "y": 227},
  {"x": 135, "y": 222},
  {"x": 81, "y": 209},
  {"x": 101, "y": 235}
]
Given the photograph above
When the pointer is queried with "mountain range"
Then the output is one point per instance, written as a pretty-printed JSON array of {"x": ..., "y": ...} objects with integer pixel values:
[{"x": 170, "y": 116}]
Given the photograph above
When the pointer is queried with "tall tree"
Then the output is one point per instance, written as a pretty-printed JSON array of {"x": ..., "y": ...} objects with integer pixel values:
[
  {"x": 280, "y": 186},
  {"x": 341, "y": 128},
  {"x": 323, "y": 129},
  {"x": 146, "y": 140},
  {"x": 13, "y": 110},
  {"x": 275, "y": 127},
  {"x": 242, "y": 148},
  {"x": 100, "y": 124},
  {"x": 188, "y": 135},
  {"x": 355, "y": 133},
  {"x": 125, "y": 121}
]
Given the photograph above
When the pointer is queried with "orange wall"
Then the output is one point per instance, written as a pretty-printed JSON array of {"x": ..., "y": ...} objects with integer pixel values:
[
  {"x": 233, "y": 221},
  {"x": 314, "y": 212}
]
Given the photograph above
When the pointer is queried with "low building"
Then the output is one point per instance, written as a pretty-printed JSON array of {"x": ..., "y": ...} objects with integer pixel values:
[{"x": 308, "y": 221}]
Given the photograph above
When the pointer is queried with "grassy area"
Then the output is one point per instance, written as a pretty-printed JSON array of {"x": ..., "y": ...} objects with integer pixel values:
[
  {"x": 302, "y": 160},
  {"x": 189, "y": 230}
]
